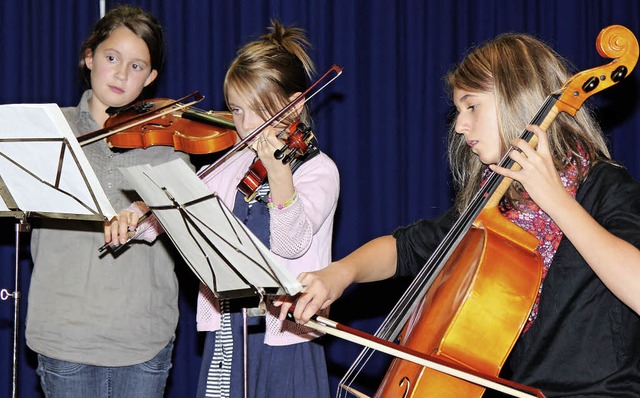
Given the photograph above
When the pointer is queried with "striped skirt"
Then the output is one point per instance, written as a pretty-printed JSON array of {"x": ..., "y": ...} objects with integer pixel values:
[{"x": 293, "y": 371}]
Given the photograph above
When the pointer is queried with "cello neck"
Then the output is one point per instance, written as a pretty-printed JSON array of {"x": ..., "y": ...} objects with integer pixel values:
[{"x": 496, "y": 185}]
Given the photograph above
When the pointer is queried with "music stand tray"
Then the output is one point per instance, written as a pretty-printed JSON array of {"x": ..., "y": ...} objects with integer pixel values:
[{"x": 43, "y": 170}]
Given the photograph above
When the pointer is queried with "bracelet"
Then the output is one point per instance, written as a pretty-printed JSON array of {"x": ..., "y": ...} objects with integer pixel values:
[{"x": 282, "y": 205}]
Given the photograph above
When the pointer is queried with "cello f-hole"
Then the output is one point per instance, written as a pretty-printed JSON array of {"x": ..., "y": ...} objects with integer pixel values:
[{"x": 405, "y": 381}]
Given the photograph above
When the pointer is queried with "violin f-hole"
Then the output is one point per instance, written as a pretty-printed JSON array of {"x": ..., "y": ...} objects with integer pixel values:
[{"x": 144, "y": 127}]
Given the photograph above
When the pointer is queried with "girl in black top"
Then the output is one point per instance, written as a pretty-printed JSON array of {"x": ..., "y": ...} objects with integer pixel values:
[{"x": 582, "y": 337}]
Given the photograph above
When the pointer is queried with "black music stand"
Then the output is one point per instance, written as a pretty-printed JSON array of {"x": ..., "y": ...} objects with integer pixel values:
[
  {"x": 43, "y": 173},
  {"x": 218, "y": 248},
  {"x": 225, "y": 255}
]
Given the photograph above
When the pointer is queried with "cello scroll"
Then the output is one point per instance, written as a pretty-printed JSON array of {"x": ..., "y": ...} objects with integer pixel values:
[{"x": 615, "y": 42}]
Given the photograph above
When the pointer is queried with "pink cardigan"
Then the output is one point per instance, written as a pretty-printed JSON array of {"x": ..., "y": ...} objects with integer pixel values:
[{"x": 300, "y": 235}]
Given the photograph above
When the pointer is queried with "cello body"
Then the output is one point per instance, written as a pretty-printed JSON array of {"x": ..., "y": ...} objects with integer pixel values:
[{"x": 473, "y": 313}]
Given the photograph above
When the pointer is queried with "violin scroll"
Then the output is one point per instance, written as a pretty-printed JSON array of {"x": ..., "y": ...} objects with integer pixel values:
[
  {"x": 297, "y": 143},
  {"x": 297, "y": 138}
]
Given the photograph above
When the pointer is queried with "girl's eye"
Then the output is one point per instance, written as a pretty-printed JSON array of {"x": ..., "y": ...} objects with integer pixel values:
[
  {"x": 137, "y": 67},
  {"x": 111, "y": 58},
  {"x": 472, "y": 107},
  {"x": 236, "y": 111}
]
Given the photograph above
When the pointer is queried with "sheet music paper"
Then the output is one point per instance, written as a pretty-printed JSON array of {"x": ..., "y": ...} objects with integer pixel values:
[
  {"x": 220, "y": 250},
  {"x": 43, "y": 170}
]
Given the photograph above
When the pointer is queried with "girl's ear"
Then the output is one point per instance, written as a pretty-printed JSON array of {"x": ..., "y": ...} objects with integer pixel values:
[
  {"x": 298, "y": 107},
  {"x": 88, "y": 59},
  {"x": 152, "y": 76}
]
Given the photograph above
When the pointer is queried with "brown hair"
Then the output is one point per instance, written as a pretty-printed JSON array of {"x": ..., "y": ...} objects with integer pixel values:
[
  {"x": 521, "y": 71},
  {"x": 269, "y": 70}
]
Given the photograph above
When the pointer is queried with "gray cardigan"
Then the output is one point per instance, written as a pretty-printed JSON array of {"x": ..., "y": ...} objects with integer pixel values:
[{"x": 114, "y": 310}]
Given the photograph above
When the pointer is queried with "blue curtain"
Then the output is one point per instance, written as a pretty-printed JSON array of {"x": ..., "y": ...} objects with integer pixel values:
[{"x": 383, "y": 121}]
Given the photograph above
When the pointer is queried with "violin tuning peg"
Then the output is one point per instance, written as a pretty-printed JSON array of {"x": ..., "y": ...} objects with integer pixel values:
[{"x": 279, "y": 153}]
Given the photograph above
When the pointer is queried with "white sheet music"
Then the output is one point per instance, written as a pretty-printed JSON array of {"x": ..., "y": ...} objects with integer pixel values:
[
  {"x": 44, "y": 168},
  {"x": 220, "y": 250}
]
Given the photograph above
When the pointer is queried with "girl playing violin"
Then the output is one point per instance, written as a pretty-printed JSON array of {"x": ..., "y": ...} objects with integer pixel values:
[
  {"x": 292, "y": 214},
  {"x": 104, "y": 326},
  {"x": 582, "y": 337}
]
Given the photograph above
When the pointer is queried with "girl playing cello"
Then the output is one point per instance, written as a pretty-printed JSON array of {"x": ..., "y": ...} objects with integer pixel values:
[{"x": 582, "y": 337}]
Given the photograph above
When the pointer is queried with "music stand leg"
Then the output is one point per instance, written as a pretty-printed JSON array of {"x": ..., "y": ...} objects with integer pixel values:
[
  {"x": 245, "y": 355},
  {"x": 22, "y": 226}
]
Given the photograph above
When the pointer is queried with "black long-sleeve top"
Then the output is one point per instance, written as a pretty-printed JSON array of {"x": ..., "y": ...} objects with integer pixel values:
[{"x": 584, "y": 342}]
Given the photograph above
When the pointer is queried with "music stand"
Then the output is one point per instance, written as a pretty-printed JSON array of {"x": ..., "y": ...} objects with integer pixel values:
[
  {"x": 223, "y": 253},
  {"x": 43, "y": 173}
]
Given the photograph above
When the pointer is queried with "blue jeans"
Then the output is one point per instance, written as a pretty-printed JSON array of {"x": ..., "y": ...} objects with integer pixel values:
[{"x": 70, "y": 380}]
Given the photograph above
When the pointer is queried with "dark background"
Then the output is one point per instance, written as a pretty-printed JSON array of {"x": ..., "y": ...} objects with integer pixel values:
[{"x": 383, "y": 121}]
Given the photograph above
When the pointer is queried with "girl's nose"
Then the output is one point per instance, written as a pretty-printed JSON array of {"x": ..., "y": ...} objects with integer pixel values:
[
  {"x": 121, "y": 73},
  {"x": 461, "y": 126},
  {"x": 248, "y": 126},
  {"x": 250, "y": 122}
]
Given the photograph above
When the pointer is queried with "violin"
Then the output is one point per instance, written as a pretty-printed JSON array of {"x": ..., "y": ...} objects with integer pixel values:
[
  {"x": 297, "y": 146},
  {"x": 166, "y": 122}
]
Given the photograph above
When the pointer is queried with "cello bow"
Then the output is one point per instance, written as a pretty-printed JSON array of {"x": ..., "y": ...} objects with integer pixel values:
[{"x": 336, "y": 329}]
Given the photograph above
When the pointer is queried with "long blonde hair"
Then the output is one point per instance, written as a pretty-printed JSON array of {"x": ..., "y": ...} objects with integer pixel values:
[
  {"x": 521, "y": 71},
  {"x": 269, "y": 70}
]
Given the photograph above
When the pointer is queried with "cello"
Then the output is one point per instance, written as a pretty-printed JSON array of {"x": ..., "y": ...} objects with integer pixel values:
[{"x": 471, "y": 300}]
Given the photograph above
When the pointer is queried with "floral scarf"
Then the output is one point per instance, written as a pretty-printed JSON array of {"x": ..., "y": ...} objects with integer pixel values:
[{"x": 528, "y": 216}]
